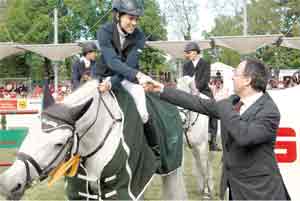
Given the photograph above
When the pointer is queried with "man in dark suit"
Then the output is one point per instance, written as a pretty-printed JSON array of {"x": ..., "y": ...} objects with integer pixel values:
[
  {"x": 84, "y": 68},
  {"x": 200, "y": 69},
  {"x": 250, "y": 169}
]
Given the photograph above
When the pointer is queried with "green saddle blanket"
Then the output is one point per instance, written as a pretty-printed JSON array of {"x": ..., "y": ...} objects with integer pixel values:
[
  {"x": 166, "y": 123},
  {"x": 166, "y": 128}
]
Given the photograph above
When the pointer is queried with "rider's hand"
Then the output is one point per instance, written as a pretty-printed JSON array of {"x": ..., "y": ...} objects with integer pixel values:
[
  {"x": 104, "y": 86},
  {"x": 143, "y": 79}
]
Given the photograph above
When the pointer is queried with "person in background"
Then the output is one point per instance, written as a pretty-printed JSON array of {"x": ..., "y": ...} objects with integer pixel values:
[
  {"x": 200, "y": 69},
  {"x": 84, "y": 68}
]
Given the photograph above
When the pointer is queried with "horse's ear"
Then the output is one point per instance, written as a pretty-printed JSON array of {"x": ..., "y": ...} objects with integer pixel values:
[{"x": 79, "y": 110}]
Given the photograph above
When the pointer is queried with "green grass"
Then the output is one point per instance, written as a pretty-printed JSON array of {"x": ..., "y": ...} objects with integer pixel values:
[{"x": 42, "y": 192}]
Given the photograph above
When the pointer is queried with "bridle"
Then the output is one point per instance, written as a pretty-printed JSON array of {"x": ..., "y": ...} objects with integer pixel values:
[
  {"x": 187, "y": 121},
  {"x": 72, "y": 146}
]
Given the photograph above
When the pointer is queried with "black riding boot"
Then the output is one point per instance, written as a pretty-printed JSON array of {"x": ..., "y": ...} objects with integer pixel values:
[
  {"x": 213, "y": 128},
  {"x": 213, "y": 146}
]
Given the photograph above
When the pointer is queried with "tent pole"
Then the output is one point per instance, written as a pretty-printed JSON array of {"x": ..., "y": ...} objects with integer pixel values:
[{"x": 55, "y": 66}]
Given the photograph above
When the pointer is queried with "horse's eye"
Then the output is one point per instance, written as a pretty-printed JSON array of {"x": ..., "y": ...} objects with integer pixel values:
[{"x": 59, "y": 145}]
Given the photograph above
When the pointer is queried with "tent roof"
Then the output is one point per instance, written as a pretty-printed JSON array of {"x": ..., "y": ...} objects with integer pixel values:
[
  {"x": 242, "y": 44},
  {"x": 55, "y": 52},
  {"x": 224, "y": 69},
  {"x": 176, "y": 48},
  {"x": 220, "y": 65},
  {"x": 246, "y": 44},
  {"x": 7, "y": 49},
  {"x": 291, "y": 43}
]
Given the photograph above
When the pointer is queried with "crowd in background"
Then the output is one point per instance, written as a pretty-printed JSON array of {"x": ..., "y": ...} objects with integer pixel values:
[
  {"x": 20, "y": 90},
  {"x": 287, "y": 82},
  {"x": 14, "y": 89}
]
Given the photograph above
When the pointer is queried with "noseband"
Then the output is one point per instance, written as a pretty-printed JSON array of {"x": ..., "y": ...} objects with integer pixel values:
[{"x": 189, "y": 123}]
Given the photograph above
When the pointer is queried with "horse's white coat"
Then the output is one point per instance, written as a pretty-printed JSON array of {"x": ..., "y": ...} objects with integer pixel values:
[{"x": 198, "y": 139}]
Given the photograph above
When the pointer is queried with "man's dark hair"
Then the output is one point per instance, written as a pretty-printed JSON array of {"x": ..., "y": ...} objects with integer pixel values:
[{"x": 258, "y": 73}]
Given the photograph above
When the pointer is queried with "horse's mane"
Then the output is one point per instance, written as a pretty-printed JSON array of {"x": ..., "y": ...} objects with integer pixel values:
[{"x": 83, "y": 94}]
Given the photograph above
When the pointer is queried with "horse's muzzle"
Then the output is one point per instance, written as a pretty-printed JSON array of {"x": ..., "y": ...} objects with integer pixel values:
[{"x": 11, "y": 190}]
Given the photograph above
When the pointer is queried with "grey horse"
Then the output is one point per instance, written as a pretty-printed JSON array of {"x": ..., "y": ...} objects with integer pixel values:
[{"x": 88, "y": 124}]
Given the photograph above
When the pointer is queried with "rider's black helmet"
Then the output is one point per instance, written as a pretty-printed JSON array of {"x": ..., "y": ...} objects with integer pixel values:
[
  {"x": 192, "y": 46},
  {"x": 130, "y": 7},
  {"x": 89, "y": 47}
]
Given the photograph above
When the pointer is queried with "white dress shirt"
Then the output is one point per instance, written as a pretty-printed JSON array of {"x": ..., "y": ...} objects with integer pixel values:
[{"x": 248, "y": 101}]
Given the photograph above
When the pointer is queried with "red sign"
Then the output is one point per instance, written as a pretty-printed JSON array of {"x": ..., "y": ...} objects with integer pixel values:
[
  {"x": 290, "y": 146},
  {"x": 8, "y": 104}
]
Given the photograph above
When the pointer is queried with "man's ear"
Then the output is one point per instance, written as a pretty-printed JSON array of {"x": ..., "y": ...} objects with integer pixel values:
[
  {"x": 248, "y": 81},
  {"x": 118, "y": 16}
]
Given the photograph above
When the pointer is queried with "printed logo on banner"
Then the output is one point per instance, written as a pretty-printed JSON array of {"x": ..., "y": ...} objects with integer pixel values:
[{"x": 286, "y": 145}]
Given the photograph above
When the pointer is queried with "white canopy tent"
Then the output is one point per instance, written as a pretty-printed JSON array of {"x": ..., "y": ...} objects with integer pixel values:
[
  {"x": 245, "y": 44},
  {"x": 54, "y": 52},
  {"x": 241, "y": 44},
  {"x": 7, "y": 49},
  {"x": 227, "y": 74},
  {"x": 291, "y": 43},
  {"x": 176, "y": 48}
]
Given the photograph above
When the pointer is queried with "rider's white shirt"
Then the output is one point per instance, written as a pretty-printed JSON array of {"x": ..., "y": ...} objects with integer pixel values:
[
  {"x": 87, "y": 63},
  {"x": 195, "y": 62},
  {"x": 248, "y": 101}
]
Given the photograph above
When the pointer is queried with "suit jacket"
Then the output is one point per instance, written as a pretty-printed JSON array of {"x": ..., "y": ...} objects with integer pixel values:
[
  {"x": 78, "y": 69},
  {"x": 249, "y": 164},
  {"x": 121, "y": 63},
  {"x": 201, "y": 73}
]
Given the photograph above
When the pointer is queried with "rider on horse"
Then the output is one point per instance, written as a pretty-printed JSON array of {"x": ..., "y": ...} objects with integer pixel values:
[{"x": 121, "y": 44}]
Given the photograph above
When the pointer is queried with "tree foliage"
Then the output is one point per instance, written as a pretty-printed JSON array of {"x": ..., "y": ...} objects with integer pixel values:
[
  {"x": 182, "y": 15},
  {"x": 31, "y": 22},
  {"x": 264, "y": 17}
]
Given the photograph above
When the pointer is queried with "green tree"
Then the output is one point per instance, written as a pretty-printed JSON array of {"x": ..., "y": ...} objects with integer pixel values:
[
  {"x": 30, "y": 21},
  {"x": 279, "y": 18},
  {"x": 152, "y": 24}
]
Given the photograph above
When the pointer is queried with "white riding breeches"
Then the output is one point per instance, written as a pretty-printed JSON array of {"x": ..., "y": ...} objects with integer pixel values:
[{"x": 139, "y": 97}]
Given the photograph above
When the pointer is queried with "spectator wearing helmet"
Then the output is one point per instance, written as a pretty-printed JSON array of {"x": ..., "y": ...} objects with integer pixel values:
[
  {"x": 121, "y": 44},
  {"x": 84, "y": 68},
  {"x": 200, "y": 69}
]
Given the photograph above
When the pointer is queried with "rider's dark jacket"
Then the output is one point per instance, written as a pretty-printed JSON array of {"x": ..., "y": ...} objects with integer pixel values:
[{"x": 120, "y": 63}]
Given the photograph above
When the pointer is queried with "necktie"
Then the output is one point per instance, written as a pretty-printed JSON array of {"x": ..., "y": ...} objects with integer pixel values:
[{"x": 237, "y": 107}]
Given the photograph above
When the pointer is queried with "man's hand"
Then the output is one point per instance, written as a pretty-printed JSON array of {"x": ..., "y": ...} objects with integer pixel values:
[
  {"x": 104, "y": 86},
  {"x": 153, "y": 86}
]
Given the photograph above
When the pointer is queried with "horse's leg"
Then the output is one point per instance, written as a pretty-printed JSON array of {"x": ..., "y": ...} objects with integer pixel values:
[
  {"x": 173, "y": 187},
  {"x": 208, "y": 170},
  {"x": 197, "y": 167},
  {"x": 204, "y": 167}
]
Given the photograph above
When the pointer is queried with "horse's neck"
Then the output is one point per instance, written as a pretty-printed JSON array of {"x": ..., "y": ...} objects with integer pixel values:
[{"x": 103, "y": 128}]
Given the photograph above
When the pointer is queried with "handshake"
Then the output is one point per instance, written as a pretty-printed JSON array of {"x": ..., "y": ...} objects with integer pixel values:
[{"x": 147, "y": 82}]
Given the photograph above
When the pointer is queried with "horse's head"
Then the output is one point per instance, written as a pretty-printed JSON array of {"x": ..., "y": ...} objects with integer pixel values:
[
  {"x": 185, "y": 83},
  {"x": 189, "y": 119},
  {"x": 44, "y": 149}
]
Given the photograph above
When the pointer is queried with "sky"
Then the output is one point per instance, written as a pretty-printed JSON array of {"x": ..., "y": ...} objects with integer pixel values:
[
  {"x": 207, "y": 11},
  {"x": 206, "y": 22}
]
